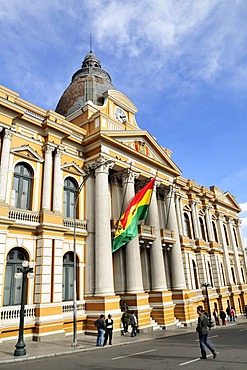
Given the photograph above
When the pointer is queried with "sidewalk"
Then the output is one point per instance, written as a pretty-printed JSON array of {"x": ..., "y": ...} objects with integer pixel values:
[{"x": 57, "y": 346}]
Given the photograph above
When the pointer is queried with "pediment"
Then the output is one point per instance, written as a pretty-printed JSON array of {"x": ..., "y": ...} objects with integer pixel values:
[
  {"x": 72, "y": 167},
  {"x": 229, "y": 200},
  {"x": 121, "y": 99},
  {"x": 142, "y": 144},
  {"x": 27, "y": 152}
]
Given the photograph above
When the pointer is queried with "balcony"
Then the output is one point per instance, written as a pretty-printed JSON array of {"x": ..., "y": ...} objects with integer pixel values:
[
  {"x": 167, "y": 236},
  {"x": 79, "y": 224},
  {"x": 24, "y": 216}
]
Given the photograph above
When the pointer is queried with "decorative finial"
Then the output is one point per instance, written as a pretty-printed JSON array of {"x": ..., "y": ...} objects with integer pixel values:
[{"x": 91, "y": 47}]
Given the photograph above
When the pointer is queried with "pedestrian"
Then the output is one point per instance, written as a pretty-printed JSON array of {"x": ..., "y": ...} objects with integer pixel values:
[
  {"x": 125, "y": 320},
  {"x": 232, "y": 314},
  {"x": 245, "y": 309},
  {"x": 216, "y": 317},
  {"x": 124, "y": 306},
  {"x": 100, "y": 325},
  {"x": 108, "y": 329},
  {"x": 228, "y": 313},
  {"x": 133, "y": 324},
  {"x": 223, "y": 317},
  {"x": 202, "y": 329}
]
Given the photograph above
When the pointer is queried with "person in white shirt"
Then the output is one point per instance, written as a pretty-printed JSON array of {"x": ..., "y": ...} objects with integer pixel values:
[{"x": 108, "y": 329}]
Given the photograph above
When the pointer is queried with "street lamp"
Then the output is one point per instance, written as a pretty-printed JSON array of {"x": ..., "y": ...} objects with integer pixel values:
[
  {"x": 210, "y": 321},
  {"x": 23, "y": 272},
  {"x": 86, "y": 177}
]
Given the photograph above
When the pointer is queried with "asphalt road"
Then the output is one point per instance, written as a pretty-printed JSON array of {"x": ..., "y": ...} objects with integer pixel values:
[{"x": 170, "y": 353}]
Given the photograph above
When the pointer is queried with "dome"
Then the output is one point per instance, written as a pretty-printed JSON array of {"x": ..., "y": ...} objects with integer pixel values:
[{"x": 88, "y": 83}]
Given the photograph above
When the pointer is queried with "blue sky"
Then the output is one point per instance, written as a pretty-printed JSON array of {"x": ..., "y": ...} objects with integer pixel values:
[{"x": 182, "y": 62}]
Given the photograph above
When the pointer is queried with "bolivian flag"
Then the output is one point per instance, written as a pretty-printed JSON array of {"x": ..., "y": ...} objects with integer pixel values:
[{"x": 127, "y": 228}]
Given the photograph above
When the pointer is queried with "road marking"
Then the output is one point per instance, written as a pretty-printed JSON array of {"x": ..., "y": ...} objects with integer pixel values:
[
  {"x": 189, "y": 362},
  {"x": 213, "y": 336},
  {"x": 242, "y": 329},
  {"x": 196, "y": 359},
  {"x": 134, "y": 354}
]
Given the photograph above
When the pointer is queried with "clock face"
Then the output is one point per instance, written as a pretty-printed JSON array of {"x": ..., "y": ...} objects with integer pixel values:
[{"x": 120, "y": 115}]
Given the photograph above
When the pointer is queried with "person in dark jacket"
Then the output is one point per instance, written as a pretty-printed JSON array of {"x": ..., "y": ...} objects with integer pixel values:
[
  {"x": 125, "y": 321},
  {"x": 108, "y": 329},
  {"x": 223, "y": 317},
  {"x": 100, "y": 324},
  {"x": 202, "y": 329}
]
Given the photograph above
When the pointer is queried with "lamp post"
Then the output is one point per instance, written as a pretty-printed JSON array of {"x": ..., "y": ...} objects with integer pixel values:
[
  {"x": 210, "y": 321},
  {"x": 86, "y": 177},
  {"x": 24, "y": 272}
]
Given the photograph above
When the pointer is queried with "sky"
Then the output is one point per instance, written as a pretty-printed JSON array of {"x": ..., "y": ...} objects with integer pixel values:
[{"x": 182, "y": 62}]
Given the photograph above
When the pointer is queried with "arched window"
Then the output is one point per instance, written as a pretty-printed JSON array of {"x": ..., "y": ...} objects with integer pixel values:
[
  {"x": 12, "y": 286},
  {"x": 202, "y": 228},
  {"x": 233, "y": 275},
  {"x": 68, "y": 276},
  {"x": 22, "y": 187},
  {"x": 195, "y": 274},
  {"x": 235, "y": 236},
  {"x": 215, "y": 232},
  {"x": 223, "y": 274},
  {"x": 210, "y": 274},
  {"x": 226, "y": 235},
  {"x": 70, "y": 191},
  {"x": 187, "y": 228}
]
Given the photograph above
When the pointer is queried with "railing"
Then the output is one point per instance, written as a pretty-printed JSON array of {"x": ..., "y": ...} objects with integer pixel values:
[
  {"x": 68, "y": 222},
  {"x": 12, "y": 313},
  {"x": 68, "y": 308},
  {"x": 24, "y": 216},
  {"x": 146, "y": 230}
]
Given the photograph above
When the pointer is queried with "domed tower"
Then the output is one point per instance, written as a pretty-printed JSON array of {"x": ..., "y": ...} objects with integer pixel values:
[{"x": 88, "y": 83}]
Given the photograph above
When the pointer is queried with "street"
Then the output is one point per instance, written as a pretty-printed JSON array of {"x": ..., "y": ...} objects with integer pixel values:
[{"x": 170, "y": 353}]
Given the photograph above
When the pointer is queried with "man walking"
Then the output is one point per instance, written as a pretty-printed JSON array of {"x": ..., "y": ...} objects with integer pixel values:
[{"x": 202, "y": 329}]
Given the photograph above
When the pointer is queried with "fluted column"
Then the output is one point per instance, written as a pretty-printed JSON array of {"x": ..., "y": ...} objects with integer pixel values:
[
  {"x": 179, "y": 213},
  {"x": 177, "y": 269},
  {"x": 134, "y": 282},
  {"x": 57, "y": 183},
  {"x": 230, "y": 222},
  {"x": 195, "y": 219},
  {"x": 156, "y": 253},
  {"x": 103, "y": 243},
  {"x": 208, "y": 223},
  {"x": 47, "y": 179},
  {"x": 5, "y": 163},
  {"x": 90, "y": 250},
  {"x": 229, "y": 278},
  {"x": 119, "y": 256}
]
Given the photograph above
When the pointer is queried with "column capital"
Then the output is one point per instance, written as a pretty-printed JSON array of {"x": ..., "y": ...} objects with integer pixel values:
[
  {"x": 129, "y": 176},
  {"x": 48, "y": 148},
  {"x": 8, "y": 134},
  {"x": 59, "y": 151}
]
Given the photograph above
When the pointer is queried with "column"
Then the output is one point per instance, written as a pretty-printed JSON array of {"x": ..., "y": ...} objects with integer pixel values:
[
  {"x": 195, "y": 219},
  {"x": 5, "y": 163},
  {"x": 47, "y": 179},
  {"x": 229, "y": 279},
  {"x": 119, "y": 257},
  {"x": 156, "y": 253},
  {"x": 90, "y": 251},
  {"x": 177, "y": 269},
  {"x": 209, "y": 223},
  {"x": 239, "y": 279},
  {"x": 179, "y": 213},
  {"x": 134, "y": 282},
  {"x": 103, "y": 243},
  {"x": 57, "y": 181}
]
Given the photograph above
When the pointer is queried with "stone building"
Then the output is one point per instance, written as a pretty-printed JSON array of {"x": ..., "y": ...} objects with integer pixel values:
[{"x": 66, "y": 177}]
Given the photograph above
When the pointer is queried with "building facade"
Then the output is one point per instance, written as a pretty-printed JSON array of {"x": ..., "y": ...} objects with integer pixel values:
[{"x": 66, "y": 176}]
